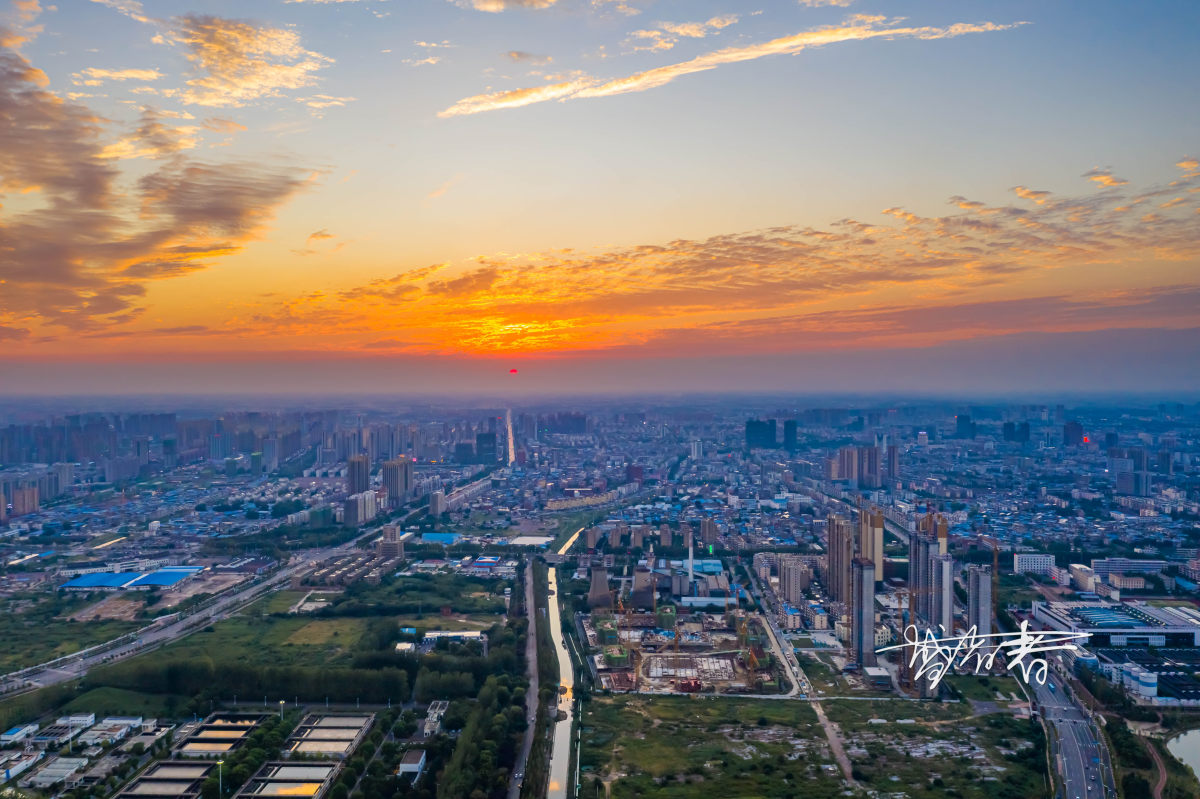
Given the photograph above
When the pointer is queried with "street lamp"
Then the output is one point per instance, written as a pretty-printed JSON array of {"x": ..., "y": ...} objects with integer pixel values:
[
  {"x": 220, "y": 779},
  {"x": 281, "y": 703}
]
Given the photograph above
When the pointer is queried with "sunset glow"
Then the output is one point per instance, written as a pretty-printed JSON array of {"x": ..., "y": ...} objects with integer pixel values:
[{"x": 587, "y": 182}]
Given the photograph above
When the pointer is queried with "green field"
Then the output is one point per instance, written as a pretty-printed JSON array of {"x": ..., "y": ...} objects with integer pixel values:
[
  {"x": 704, "y": 747},
  {"x": 278, "y": 602},
  {"x": 273, "y": 641},
  {"x": 40, "y": 633},
  {"x": 983, "y": 689}
]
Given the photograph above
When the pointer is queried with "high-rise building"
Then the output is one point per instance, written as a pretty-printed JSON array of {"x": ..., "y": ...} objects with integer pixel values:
[
  {"x": 708, "y": 531},
  {"x": 270, "y": 453},
  {"x": 485, "y": 448},
  {"x": 893, "y": 463},
  {"x": 964, "y": 427},
  {"x": 869, "y": 471},
  {"x": 870, "y": 538},
  {"x": 789, "y": 435},
  {"x": 862, "y": 614},
  {"x": 398, "y": 481},
  {"x": 841, "y": 553},
  {"x": 1072, "y": 434},
  {"x": 697, "y": 450},
  {"x": 847, "y": 465},
  {"x": 941, "y": 610},
  {"x": 795, "y": 576},
  {"x": 761, "y": 434},
  {"x": 928, "y": 542},
  {"x": 360, "y": 508},
  {"x": 979, "y": 599},
  {"x": 358, "y": 474}
]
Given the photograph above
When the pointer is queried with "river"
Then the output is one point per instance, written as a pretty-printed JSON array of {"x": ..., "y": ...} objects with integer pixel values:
[
  {"x": 560, "y": 754},
  {"x": 1186, "y": 749}
]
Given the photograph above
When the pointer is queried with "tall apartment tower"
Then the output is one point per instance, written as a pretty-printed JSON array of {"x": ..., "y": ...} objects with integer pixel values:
[
  {"x": 841, "y": 553},
  {"x": 941, "y": 609},
  {"x": 979, "y": 599},
  {"x": 870, "y": 538},
  {"x": 398, "y": 480},
  {"x": 708, "y": 531},
  {"x": 358, "y": 474},
  {"x": 927, "y": 543},
  {"x": 862, "y": 616}
]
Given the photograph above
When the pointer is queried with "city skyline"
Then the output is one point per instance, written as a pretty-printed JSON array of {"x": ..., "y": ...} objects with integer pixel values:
[{"x": 610, "y": 197}]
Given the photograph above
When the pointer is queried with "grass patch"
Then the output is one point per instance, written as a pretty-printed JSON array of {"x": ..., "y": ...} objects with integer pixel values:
[
  {"x": 278, "y": 602},
  {"x": 983, "y": 688},
  {"x": 324, "y": 632},
  {"x": 687, "y": 747},
  {"x": 41, "y": 632}
]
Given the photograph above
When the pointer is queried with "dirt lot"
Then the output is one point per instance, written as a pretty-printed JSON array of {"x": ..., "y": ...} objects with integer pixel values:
[
  {"x": 208, "y": 584},
  {"x": 122, "y": 607}
]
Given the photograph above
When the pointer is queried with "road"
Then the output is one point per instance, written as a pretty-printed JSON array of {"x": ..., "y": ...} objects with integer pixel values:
[
  {"x": 1078, "y": 752},
  {"x": 224, "y": 605},
  {"x": 531, "y": 694},
  {"x": 560, "y": 753}
]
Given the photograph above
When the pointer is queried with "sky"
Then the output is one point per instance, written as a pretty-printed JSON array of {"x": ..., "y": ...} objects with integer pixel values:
[{"x": 605, "y": 195}]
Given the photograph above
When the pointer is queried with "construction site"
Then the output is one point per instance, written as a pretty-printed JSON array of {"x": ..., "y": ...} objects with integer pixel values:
[{"x": 661, "y": 652}]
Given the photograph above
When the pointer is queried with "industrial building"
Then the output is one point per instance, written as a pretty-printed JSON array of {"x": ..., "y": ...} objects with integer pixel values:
[
  {"x": 307, "y": 780},
  {"x": 328, "y": 736},
  {"x": 168, "y": 779},
  {"x": 218, "y": 735},
  {"x": 1129, "y": 624}
]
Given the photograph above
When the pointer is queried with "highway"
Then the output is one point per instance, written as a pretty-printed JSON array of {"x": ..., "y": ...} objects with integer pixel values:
[
  {"x": 1077, "y": 749},
  {"x": 560, "y": 753},
  {"x": 158, "y": 634}
]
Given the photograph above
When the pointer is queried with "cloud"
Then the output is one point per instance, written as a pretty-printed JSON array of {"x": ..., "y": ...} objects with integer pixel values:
[
  {"x": 327, "y": 101},
  {"x": 239, "y": 62},
  {"x": 836, "y": 285},
  {"x": 1035, "y": 195},
  {"x": 222, "y": 125},
  {"x": 152, "y": 138},
  {"x": 442, "y": 189},
  {"x": 496, "y": 6},
  {"x": 820, "y": 3},
  {"x": 621, "y": 6},
  {"x": 319, "y": 235},
  {"x": 522, "y": 57},
  {"x": 93, "y": 76},
  {"x": 83, "y": 246},
  {"x": 858, "y": 28},
  {"x": 669, "y": 33},
  {"x": 24, "y": 31},
  {"x": 1104, "y": 177}
]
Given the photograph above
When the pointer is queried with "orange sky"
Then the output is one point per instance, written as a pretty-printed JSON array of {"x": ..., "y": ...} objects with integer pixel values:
[{"x": 577, "y": 180}]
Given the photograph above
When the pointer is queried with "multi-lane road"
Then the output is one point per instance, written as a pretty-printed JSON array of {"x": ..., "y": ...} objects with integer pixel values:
[
  {"x": 161, "y": 633},
  {"x": 1078, "y": 752}
]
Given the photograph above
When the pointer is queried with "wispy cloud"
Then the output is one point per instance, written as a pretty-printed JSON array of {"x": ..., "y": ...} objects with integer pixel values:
[
  {"x": 93, "y": 76},
  {"x": 831, "y": 286},
  {"x": 496, "y": 6},
  {"x": 521, "y": 57},
  {"x": 667, "y": 34},
  {"x": 1104, "y": 177},
  {"x": 858, "y": 28}
]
